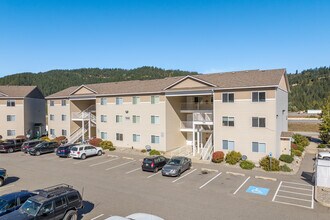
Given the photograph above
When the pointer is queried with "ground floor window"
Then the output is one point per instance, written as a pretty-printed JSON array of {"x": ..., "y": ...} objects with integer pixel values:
[
  {"x": 258, "y": 147},
  {"x": 64, "y": 132},
  {"x": 11, "y": 133},
  {"x": 104, "y": 135},
  {"x": 228, "y": 145},
  {"x": 52, "y": 131},
  {"x": 154, "y": 139},
  {"x": 119, "y": 137},
  {"x": 136, "y": 138}
]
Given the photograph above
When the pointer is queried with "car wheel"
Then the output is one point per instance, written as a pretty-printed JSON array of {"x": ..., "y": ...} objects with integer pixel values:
[
  {"x": 83, "y": 156},
  {"x": 99, "y": 153},
  {"x": 38, "y": 153},
  {"x": 156, "y": 170},
  {"x": 71, "y": 215},
  {"x": 179, "y": 173},
  {"x": 1, "y": 181},
  {"x": 10, "y": 150}
]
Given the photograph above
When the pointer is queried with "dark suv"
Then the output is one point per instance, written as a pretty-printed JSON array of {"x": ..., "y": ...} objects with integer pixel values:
[
  {"x": 3, "y": 176},
  {"x": 42, "y": 148},
  {"x": 57, "y": 202},
  {"x": 11, "y": 145},
  {"x": 12, "y": 201},
  {"x": 64, "y": 150},
  {"x": 29, "y": 144},
  {"x": 154, "y": 163}
]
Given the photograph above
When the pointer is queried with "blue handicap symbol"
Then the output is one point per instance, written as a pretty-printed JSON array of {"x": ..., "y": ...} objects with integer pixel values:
[{"x": 258, "y": 190}]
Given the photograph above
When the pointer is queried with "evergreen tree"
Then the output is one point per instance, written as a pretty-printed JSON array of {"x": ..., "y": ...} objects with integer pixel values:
[{"x": 325, "y": 124}]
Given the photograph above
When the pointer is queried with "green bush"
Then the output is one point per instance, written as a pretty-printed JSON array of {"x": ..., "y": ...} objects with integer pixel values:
[
  {"x": 265, "y": 164},
  {"x": 143, "y": 150},
  {"x": 301, "y": 148},
  {"x": 107, "y": 145},
  {"x": 154, "y": 152},
  {"x": 301, "y": 140},
  {"x": 321, "y": 146},
  {"x": 218, "y": 156},
  {"x": 247, "y": 165},
  {"x": 286, "y": 158},
  {"x": 285, "y": 168},
  {"x": 297, "y": 153},
  {"x": 233, "y": 157},
  {"x": 294, "y": 146}
]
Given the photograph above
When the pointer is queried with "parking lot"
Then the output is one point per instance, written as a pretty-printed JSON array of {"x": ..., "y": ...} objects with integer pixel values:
[{"x": 113, "y": 184}]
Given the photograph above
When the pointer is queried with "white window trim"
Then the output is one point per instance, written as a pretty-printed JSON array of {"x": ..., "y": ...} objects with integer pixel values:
[
  {"x": 258, "y": 96},
  {"x": 228, "y": 97}
]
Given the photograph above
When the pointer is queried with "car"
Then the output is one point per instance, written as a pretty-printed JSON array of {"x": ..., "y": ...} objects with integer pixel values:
[
  {"x": 29, "y": 144},
  {"x": 176, "y": 165},
  {"x": 11, "y": 145},
  {"x": 64, "y": 150},
  {"x": 57, "y": 202},
  {"x": 83, "y": 151},
  {"x": 154, "y": 163},
  {"x": 42, "y": 148},
  {"x": 136, "y": 216},
  {"x": 3, "y": 176},
  {"x": 324, "y": 155},
  {"x": 12, "y": 201}
]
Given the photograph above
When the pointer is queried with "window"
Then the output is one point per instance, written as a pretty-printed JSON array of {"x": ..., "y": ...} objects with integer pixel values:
[
  {"x": 104, "y": 135},
  {"x": 11, "y": 117},
  {"x": 227, "y": 97},
  {"x": 228, "y": 121},
  {"x": 154, "y": 139},
  {"x": 48, "y": 207},
  {"x": 104, "y": 101},
  {"x": 11, "y": 133},
  {"x": 136, "y": 138},
  {"x": 51, "y": 117},
  {"x": 52, "y": 131},
  {"x": 119, "y": 118},
  {"x": 136, "y": 119},
  {"x": 59, "y": 202},
  {"x": 228, "y": 145},
  {"x": 258, "y": 96},
  {"x": 154, "y": 99},
  {"x": 136, "y": 100},
  {"x": 119, "y": 137},
  {"x": 258, "y": 122},
  {"x": 258, "y": 147},
  {"x": 63, "y": 117},
  {"x": 64, "y": 132},
  {"x": 73, "y": 197},
  {"x": 11, "y": 103},
  {"x": 63, "y": 102},
  {"x": 119, "y": 101},
  {"x": 103, "y": 118},
  {"x": 51, "y": 103},
  {"x": 154, "y": 119}
]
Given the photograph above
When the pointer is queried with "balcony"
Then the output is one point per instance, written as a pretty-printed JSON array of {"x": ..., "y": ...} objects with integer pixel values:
[
  {"x": 192, "y": 106},
  {"x": 203, "y": 117}
]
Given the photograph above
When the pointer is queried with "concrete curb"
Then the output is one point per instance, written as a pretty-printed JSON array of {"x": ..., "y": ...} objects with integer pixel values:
[
  {"x": 235, "y": 174},
  {"x": 209, "y": 170},
  {"x": 265, "y": 178},
  {"x": 128, "y": 158},
  {"x": 112, "y": 155}
]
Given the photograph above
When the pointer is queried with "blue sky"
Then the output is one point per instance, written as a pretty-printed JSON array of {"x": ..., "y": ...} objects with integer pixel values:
[{"x": 204, "y": 36}]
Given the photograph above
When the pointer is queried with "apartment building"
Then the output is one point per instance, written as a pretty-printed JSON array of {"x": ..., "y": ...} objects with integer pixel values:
[
  {"x": 244, "y": 111},
  {"x": 23, "y": 111}
]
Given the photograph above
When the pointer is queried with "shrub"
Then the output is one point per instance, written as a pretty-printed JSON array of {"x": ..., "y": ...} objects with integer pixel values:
[
  {"x": 286, "y": 158},
  {"x": 321, "y": 146},
  {"x": 60, "y": 139},
  {"x": 301, "y": 140},
  {"x": 294, "y": 146},
  {"x": 107, "y": 145},
  {"x": 233, "y": 157},
  {"x": 297, "y": 153},
  {"x": 301, "y": 148},
  {"x": 154, "y": 152},
  {"x": 143, "y": 150},
  {"x": 285, "y": 168},
  {"x": 218, "y": 156},
  {"x": 95, "y": 142},
  {"x": 21, "y": 137},
  {"x": 265, "y": 164},
  {"x": 247, "y": 165},
  {"x": 45, "y": 139}
]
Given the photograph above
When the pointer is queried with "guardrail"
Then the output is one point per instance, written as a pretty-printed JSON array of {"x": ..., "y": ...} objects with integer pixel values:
[{"x": 196, "y": 106}]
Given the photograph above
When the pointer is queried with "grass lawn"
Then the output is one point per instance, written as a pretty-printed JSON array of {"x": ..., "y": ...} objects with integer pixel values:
[{"x": 302, "y": 126}]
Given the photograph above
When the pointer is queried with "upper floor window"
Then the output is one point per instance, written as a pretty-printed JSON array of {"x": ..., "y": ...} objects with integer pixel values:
[
  {"x": 63, "y": 102},
  {"x": 63, "y": 117},
  {"x": 154, "y": 119},
  {"x": 11, "y": 117},
  {"x": 103, "y": 118},
  {"x": 228, "y": 145},
  {"x": 136, "y": 119},
  {"x": 154, "y": 99},
  {"x": 51, "y": 117},
  {"x": 119, "y": 101},
  {"x": 136, "y": 138},
  {"x": 228, "y": 121},
  {"x": 104, "y": 135},
  {"x": 51, "y": 103},
  {"x": 258, "y": 122},
  {"x": 258, "y": 147},
  {"x": 135, "y": 100},
  {"x": 227, "y": 97},
  {"x": 11, "y": 133},
  {"x": 258, "y": 96},
  {"x": 119, "y": 137},
  {"x": 11, "y": 103},
  {"x": 154, "y": 139},
  {"x": 104, "y": 101},
  {"x": 119, "y": 118}
]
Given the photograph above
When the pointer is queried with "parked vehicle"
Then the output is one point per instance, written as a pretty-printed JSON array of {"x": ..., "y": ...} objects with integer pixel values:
[
  {"x": 43, "y": 148},
  {"x": 324, "y": 155},
  {"x": 57, "y": 202},
  {"x": 12, "y": 201},
  {"x": 83, "y": 151},
  {"x": 3, "y": 176},
  {"x": 136, "y": 216},
  {"x": 29, "y": 144},
  {"x": 64, "y": 150},
  {"x": 154, "y": 163},
  {"x": 176, "y": 165},
  {"x": 11, "y": 145}
]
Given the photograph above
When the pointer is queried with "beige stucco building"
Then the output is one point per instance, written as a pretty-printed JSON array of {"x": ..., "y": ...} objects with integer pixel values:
[
  {"x": 22, "y": 111},
  {"x": 244, "y": 111}
]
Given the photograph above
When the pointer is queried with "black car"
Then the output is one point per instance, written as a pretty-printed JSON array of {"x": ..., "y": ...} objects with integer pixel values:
[
  {"x": 42, "y": 148},
  {"x": 154, "y": 163},
  {"x": 12, "y": 201},
  {"x": 176, "y": 165},
  {"x": 57, "y": 202},
  {"x": 3, "y": 176},
  {"x": 64, "y": 150},
  {"x": 29, "y": 144},
  {"x": 11, "y": 145}
]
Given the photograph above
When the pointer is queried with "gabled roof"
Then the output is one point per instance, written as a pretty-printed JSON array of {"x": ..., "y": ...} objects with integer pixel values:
[
  {"x": 190, "y": 77},
  {"x": 19, "y": 91},
  {"x": 81, "y": 87}
]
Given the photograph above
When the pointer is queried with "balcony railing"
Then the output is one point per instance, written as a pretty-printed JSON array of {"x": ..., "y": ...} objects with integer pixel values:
[
  {"x": 196, "y": 106},
  {"x": 204, "y": 117}
]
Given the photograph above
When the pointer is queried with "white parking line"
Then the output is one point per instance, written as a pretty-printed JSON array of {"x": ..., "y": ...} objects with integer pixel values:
[
  {"x": 133, "y": 170},
  {"x": 291, "y": 187},
  {"x": 96, "y": 164},
  {"x": 241, "y": 185},
  {"x": 87, "y": 159},
  {"x": 210, "y": 180},
  {"x": 184, "y": 176},
  {"x": 289, "y": 197},
  {"x": 99, "y": 216},
  {"x": 278, "y": 188},
  {"x": 303, "y": 194},
  {"x": 3, "y": 188},
  {"x": 312, "y": 206},
  {"x": 123, "y": 164},
  {"x": 153, "y": 175},
  {"x": 296, "y": 183}
]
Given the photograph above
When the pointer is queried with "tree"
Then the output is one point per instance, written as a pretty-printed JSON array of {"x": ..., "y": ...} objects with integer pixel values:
[{"x": 325, "y": 124}]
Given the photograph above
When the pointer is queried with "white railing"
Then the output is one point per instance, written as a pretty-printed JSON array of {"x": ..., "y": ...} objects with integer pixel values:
[
  {"x": 77, "y": 135},
  {"x": 83, "y": 115},
  {"x": 93, "y": 118},
  {"x": 196, "y": 106},
  {"x": 186, "y": 124},
  {"x": 205, "y": 117},
  {"x": 91, "y": 108},
  {"x": 181, "y": 151},
  {"x": 207, "y": 149}
]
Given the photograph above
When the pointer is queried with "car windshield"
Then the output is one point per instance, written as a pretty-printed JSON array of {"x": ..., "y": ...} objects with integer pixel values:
[
  {"x": 174, "y": 162},
  {"x": 3, "y": 204},
  {"x": 39, "y": 145},
  {"x": 74, "y": 149},
  {"x": 30, "y": 208}
]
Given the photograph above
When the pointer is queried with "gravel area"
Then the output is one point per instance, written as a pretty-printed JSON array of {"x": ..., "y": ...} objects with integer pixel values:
[{"x": 323, "y": 195}]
